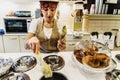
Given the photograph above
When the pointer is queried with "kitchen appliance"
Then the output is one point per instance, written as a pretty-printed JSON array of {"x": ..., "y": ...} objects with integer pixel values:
[
  {"x": 17, "y": 25},
  {"x": 22, "y": 13}
]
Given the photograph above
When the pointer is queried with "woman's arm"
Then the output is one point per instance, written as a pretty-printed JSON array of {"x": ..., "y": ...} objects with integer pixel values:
[
  {"x": 61, "y": 44},
  {"x": 32, "y": 42}
]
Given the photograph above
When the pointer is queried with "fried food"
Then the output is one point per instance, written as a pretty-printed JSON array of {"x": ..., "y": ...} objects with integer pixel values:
[
  {"x": 103, "y": 59},
  {"x": 100, "y": 60},
  {"x": 91, "y": 57},
  {"x": 89, "y": 60}
]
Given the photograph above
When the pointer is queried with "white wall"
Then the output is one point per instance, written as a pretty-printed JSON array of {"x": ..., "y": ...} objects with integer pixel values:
[{"x": 65, "y": 14}]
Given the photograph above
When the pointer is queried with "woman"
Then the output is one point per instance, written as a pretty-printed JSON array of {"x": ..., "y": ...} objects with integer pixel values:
[{"x": 43, "y": 33}]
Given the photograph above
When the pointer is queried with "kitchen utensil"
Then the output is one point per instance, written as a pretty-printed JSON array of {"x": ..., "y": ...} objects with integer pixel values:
[
  {"x": 56, "y": 76},
  {"x": 56, "y": 62},
  {"x": 46, "y": 69}
]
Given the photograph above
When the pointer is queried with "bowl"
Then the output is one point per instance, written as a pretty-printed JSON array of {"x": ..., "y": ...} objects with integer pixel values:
[
  {"x": 91, "y": 56},
  {"x": 56, "y": 76},
  {"x": 24, "y": 63},
  {"x": 56, "y": 62}
]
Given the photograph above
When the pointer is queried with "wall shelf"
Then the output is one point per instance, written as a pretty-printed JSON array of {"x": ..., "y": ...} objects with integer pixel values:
[{"x": 103, "y": 17}]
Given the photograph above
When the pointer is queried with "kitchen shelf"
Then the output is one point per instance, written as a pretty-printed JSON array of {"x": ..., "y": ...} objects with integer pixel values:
[{"x": 103, "y": 17}]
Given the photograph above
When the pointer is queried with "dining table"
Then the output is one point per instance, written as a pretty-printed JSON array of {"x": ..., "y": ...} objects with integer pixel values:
[{"x": 70, "y": 70}]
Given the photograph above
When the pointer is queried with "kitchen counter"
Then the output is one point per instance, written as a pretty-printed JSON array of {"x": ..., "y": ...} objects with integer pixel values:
[{"x": 70, "y": 70}]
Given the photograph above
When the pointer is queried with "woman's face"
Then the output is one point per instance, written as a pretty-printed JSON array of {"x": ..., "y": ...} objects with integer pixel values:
[{"x": 48, "y": 10}]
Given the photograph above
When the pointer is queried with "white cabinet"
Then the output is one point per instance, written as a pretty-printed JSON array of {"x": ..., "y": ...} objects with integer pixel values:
[
  {"x": 22, "y": 44},
  {"x": 11, "y": 43},
  {"x": 1, "y": 45},
  {"x": 14, "y": 43}
]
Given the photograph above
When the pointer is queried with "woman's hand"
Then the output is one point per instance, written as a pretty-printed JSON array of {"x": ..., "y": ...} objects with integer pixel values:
[
  {"x": 61, "y": 44},
  {"x": 34, "y": 44}
]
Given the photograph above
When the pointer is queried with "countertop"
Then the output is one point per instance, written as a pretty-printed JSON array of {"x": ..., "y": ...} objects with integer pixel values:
[{"x": 70, "y": 70}]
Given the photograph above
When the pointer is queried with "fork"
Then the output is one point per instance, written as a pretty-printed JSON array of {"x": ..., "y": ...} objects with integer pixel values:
[{"x": 46, "y": 69}]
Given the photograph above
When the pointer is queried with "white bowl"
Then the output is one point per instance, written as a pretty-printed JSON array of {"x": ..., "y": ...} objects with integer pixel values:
[{"x": 101, "y": 48}]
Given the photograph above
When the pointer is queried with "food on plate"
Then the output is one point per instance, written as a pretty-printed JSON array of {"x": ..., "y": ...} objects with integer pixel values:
[
  {"x": 79, "y": 54},
  {"x": 91, "y": 50},
  {"x": 91, "y": 61},
  {"x": 103, "y": 58},
  {"x": 99, "y": 60},
  {"x": 91, "y": 56}
]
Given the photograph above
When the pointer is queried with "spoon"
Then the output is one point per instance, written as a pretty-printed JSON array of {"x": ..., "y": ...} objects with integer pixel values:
[{"x": 46, "y": 69}]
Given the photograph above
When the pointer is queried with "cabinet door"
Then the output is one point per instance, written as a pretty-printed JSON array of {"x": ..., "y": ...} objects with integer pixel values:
[
  {"x": 22, "y": 44},
  {"x": 1, "y": 45},
  {"x": 11, "y": 43}
]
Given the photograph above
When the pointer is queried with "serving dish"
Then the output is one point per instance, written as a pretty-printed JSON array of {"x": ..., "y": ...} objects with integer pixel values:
[
  {"x": 56, "y": 76},
  {"x": 94, "y": 62},
  {"x": 56, "y": 62},
  {"x": 24, "y": 63}
]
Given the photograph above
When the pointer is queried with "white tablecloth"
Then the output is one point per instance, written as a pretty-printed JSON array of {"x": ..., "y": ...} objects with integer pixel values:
[{"x": 70, "y": 70}]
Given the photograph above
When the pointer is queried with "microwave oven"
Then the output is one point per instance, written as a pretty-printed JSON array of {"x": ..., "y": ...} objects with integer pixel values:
[{"x": 17, "y": 24}]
